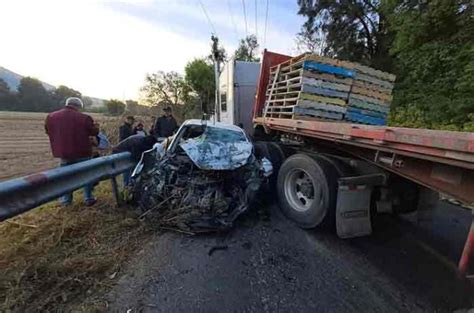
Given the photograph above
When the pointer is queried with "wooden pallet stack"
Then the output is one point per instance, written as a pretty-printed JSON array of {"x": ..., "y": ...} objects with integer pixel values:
[
  {"x": 310, "y": 86},
  {"x": 370, "y": 96}
]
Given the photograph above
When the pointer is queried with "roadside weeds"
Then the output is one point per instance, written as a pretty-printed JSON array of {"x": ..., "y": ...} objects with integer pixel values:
[{"x": 54, "y": 258}]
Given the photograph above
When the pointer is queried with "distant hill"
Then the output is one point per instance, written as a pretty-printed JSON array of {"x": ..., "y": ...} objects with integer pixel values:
[{"x": 13, "y": 79}]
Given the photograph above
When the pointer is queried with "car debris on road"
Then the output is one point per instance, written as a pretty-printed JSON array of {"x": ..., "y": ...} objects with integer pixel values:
[{"x": 203, "y": 181}]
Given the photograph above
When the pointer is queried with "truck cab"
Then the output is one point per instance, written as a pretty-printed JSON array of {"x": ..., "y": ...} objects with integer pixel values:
[{"x": 237, "y": 85}]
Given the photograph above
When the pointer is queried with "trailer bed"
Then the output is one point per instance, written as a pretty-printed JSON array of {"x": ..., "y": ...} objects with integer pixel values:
[{"x": 448, "y": 147}]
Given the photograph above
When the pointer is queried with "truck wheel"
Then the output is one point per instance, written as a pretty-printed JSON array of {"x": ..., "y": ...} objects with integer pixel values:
[
  {"x": 274, "y": 154},
  {"x": 307, "y": 188}
]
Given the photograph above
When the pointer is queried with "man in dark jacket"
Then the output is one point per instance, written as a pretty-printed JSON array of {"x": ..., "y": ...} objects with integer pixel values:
[
  {"x": 165, "y": 125},
  {"x": 69, "y": 134},
  {"x": 126, "y": 130},
  {"x": 136, "y": 145}
]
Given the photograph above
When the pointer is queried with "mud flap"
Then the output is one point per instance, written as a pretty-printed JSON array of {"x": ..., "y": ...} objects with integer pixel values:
[{"x": 353, "y": 205}]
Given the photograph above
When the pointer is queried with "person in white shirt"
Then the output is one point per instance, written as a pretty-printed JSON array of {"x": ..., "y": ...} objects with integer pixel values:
[{"x": 139, "y": 130}]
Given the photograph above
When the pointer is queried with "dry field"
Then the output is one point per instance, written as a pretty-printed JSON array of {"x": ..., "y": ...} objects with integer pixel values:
[{"x": 24, "y": 146}]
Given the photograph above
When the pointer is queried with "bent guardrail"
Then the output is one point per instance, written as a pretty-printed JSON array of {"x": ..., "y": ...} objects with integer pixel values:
[{"x": 22, "y": 194}]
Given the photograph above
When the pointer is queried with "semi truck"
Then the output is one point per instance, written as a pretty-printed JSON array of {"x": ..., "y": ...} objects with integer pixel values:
[{"x": 342, "y": 174}]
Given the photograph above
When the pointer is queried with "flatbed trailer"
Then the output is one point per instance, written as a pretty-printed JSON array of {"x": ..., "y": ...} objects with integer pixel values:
[
  {"x": 360, "y": 167},
  {"x": 440, "y": 160}
]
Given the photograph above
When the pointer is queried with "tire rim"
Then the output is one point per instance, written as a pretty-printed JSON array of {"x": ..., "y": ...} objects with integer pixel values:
[{"x": 300, "y": 190}]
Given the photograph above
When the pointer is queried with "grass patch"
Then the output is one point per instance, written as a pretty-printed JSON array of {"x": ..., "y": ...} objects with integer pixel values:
[{"x": 53, "y": 258}]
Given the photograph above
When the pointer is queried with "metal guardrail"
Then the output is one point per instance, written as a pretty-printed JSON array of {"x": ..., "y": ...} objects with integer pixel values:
[{"x": 22, "y": 194}]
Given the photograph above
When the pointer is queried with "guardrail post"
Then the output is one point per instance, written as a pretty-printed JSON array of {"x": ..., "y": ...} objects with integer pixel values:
[{"x": 115, "y": 190}]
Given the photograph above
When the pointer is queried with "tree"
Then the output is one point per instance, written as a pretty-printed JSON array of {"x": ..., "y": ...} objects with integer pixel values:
[
  {"x": 433, "y": 51},
  {"x": 33, "y": 96},
  {"x": 132, "y": 106},
  {"x": 166, "y": 89},
  {"x": 60, "y": 94},
  {"x": 115, "y": 107},
  {"x": 351, "y": 29},
  {"x": 4, "y": 88},
  {"x": 199, "y": 75},
  {"x": 192, "y": 107},
  {"x": 8, "y": 100},
  {"x": 247, "y": 49},
  {"x": 310, "y": 39}
]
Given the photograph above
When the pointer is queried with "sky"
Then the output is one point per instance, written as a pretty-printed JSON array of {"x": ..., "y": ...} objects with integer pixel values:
[{"x": 105, "y": 48}]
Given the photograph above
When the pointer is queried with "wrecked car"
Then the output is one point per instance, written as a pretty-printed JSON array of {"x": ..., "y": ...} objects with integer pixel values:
[{"x": 200, "y": 180}]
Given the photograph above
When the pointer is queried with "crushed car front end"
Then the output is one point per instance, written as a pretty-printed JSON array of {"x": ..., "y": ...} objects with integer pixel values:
[{"x": 207, "y": 176}]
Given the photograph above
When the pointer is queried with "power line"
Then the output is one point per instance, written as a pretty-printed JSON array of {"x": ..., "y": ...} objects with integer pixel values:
[
  {"x": 245, "y": 18},
  {"x": 265, "y": 31},
  {"x": 208, "y": 18},
  {"x": 256, "y": 24},
  {"x": 232, "y": 19}
]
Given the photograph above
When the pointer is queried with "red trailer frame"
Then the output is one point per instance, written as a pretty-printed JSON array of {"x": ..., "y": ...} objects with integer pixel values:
[{"x": 440, "y": 160}]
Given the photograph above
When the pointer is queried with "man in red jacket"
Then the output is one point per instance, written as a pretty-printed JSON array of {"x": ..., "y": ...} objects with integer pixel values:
[{"x": 69, "y": 134}]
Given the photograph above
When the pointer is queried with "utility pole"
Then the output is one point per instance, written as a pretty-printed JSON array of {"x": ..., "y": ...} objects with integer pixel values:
[{"x": 217, "y": 57}]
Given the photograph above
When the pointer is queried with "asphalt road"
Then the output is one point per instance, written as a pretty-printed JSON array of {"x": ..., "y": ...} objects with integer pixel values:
[{"x": 266, "y": 264}]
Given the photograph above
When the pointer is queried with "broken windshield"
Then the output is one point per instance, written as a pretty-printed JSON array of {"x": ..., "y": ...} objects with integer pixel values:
[
  {"x": 218, "y": 149},
  {"x": 224, "y": 135}
]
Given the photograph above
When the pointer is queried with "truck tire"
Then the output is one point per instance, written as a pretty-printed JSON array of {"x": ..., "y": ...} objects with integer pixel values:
[
  {"x": 276, "y": 156},
  {"x": 273, "y": 152},
  {"x": 307, "y": 190}
]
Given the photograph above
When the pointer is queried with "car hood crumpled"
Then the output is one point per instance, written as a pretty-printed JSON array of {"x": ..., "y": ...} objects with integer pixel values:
[{"x": 216, "y": 154}]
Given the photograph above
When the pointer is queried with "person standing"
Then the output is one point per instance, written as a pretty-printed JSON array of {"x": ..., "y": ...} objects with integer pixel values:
[
  {"x": 126, "y": 130},
  {"x": 152, "y": 128},
  {"x": 69, "y": 133},
  {"x": 165, "y": 125}
]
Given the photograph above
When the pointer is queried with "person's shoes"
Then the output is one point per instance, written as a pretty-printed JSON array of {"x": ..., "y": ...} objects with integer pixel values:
[{"x": 91, "y": 202}]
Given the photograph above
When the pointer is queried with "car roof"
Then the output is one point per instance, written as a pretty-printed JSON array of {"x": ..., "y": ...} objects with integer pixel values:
[{"x": 213, "y": 124}]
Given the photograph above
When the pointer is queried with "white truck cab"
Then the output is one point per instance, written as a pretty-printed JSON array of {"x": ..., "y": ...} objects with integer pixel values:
[{"x": 238, "y": 84}]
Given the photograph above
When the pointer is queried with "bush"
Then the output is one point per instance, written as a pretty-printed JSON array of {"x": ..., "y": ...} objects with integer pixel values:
[
  {"x": 115, "y": 107},
  {"x": 96, "y": 109}
]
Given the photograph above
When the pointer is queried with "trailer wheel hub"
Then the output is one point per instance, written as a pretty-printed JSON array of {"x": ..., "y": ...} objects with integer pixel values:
[{"x": 300, "y": 190}]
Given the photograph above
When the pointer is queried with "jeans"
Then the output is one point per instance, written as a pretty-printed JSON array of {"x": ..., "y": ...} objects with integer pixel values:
[{"x": 67, "y": 198}]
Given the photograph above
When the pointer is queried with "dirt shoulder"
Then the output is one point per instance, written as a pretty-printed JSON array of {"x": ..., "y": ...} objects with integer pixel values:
[{"x": 60, "y": 259}]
